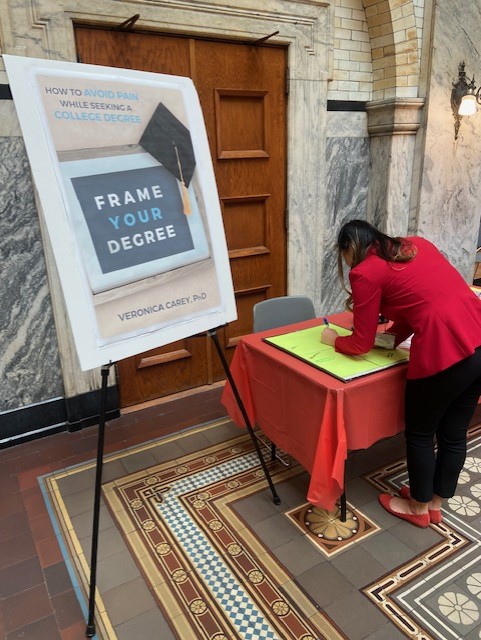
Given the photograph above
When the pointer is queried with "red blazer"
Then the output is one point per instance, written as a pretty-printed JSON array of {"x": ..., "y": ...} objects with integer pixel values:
[{"x": 426, "y": 297}]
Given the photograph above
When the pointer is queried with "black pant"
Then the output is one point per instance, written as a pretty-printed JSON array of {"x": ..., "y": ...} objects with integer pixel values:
[{"x": 440, "y": 406}]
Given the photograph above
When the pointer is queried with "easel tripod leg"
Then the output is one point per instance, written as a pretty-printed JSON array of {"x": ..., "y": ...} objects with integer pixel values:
[
  {"x": 90, "y": 630},
  {"x": 343, "y": 507},
  {"x": 215, "y": 338}
]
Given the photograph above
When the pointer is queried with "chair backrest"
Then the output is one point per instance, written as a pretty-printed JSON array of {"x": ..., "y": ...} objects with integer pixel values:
[{"x": 277, "y": 312}]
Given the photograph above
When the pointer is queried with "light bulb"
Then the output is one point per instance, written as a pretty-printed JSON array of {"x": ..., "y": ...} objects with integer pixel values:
[{"x": 468, "y": 105}]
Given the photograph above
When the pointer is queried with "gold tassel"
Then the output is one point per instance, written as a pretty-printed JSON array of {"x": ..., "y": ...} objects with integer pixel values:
[
  {"x": 186, "y": 200},
  {"x": 185, "y": 193}
]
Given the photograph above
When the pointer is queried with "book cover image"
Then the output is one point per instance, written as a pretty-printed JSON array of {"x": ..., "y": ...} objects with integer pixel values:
[
  {"x": 307, "y": 346},
  {"x": 130, "y": 180},
  {"x": 132, "y": 206},
  {"x": 128, "y": 213}
]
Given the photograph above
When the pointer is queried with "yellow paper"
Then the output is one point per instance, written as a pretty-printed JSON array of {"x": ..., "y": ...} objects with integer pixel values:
[{"x": 306, "y": 345}]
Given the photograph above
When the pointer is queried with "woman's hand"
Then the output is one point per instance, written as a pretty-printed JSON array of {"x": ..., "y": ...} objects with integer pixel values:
[{"x": 328, "y": 336}]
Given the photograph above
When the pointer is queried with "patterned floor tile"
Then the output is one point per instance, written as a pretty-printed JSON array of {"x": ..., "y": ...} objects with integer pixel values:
[
  {"x": 437, "y": 594},
  {"x": 327, "y": 531}
]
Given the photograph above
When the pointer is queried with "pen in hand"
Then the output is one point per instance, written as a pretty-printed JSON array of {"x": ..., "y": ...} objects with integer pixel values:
[{"x": 328, "y": 335}]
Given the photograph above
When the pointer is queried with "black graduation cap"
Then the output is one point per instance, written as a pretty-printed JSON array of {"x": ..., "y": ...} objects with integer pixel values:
[{"x": 169, "y": 141}]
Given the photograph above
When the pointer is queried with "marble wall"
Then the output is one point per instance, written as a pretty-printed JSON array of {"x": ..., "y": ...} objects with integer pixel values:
[
  {"x": 347, "y": 168},
  {"x": 29, "y": 365},
  {"x": 448, "y": 210}
]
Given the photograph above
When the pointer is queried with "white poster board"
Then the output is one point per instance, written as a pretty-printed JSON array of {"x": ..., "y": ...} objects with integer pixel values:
[{"x": 122, "y": 166}]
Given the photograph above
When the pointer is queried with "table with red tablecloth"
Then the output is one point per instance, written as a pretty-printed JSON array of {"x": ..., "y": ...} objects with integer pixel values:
[{"x": 309, "y": 414}]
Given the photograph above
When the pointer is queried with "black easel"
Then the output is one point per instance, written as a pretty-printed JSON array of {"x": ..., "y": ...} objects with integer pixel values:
[
  {"x": 90, "y": 630},
  {"x": 213, "y": 334}
]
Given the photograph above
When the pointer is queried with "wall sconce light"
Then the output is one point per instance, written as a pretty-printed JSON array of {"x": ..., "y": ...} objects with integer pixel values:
[{"x": 464, "y": 98}]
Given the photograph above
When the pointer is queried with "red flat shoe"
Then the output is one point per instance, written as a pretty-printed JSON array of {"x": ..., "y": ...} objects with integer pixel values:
[
  {"x": 419, "y": 520},
  {"x": 435, "y": 515}
]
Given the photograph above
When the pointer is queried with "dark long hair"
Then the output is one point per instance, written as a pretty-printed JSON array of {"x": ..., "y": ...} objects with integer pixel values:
[{"x": 362, "y": 237}]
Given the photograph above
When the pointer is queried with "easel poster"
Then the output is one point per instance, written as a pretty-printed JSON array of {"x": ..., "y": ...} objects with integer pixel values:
[{"x": 122, "y": 166}]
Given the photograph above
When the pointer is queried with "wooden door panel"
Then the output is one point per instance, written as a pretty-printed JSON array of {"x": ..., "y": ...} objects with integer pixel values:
[
  {"x": 245, "y": 224},
  {"x": 246, "y": 121},
  {"x": 241, "y": 90},
  {"x": 163, "y": 368},
  {"x": 247, "y": 110},
  {"x": 146, "y": 52},
  {"x": 245, "y": 302}
]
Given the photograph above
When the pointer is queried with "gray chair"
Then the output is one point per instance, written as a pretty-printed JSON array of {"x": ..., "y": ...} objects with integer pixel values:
[{"x": 277, "y": 312}]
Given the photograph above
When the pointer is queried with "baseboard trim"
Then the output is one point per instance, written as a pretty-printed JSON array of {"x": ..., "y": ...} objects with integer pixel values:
[{"x": 55, "y": 415}]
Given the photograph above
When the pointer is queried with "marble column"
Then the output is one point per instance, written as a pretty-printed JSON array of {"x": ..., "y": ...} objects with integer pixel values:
[
  {"x": 347, "y": 167},
  {"x": 392, "y": 125},
  {"x": 29, "y": 363}
]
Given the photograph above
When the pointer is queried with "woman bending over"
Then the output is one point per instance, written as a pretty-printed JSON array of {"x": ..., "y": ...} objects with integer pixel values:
[{"x": 408, "y": 281}]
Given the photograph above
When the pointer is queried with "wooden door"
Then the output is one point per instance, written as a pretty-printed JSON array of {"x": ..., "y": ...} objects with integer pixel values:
[{"x": 242, "y": 92}]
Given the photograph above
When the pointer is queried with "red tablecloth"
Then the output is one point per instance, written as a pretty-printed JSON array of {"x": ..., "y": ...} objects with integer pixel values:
[{"x": 311, "y": 415}]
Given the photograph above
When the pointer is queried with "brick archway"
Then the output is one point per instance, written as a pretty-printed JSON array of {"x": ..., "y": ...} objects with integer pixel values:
[{"x": 394, "y": 41}]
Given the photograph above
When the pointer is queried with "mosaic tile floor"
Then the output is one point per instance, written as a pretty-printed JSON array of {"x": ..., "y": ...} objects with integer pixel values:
[
  {"x": 216, "y": 559},
  {"x": 438, "y": 593},
  {"x": 210, "y": 576}
]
